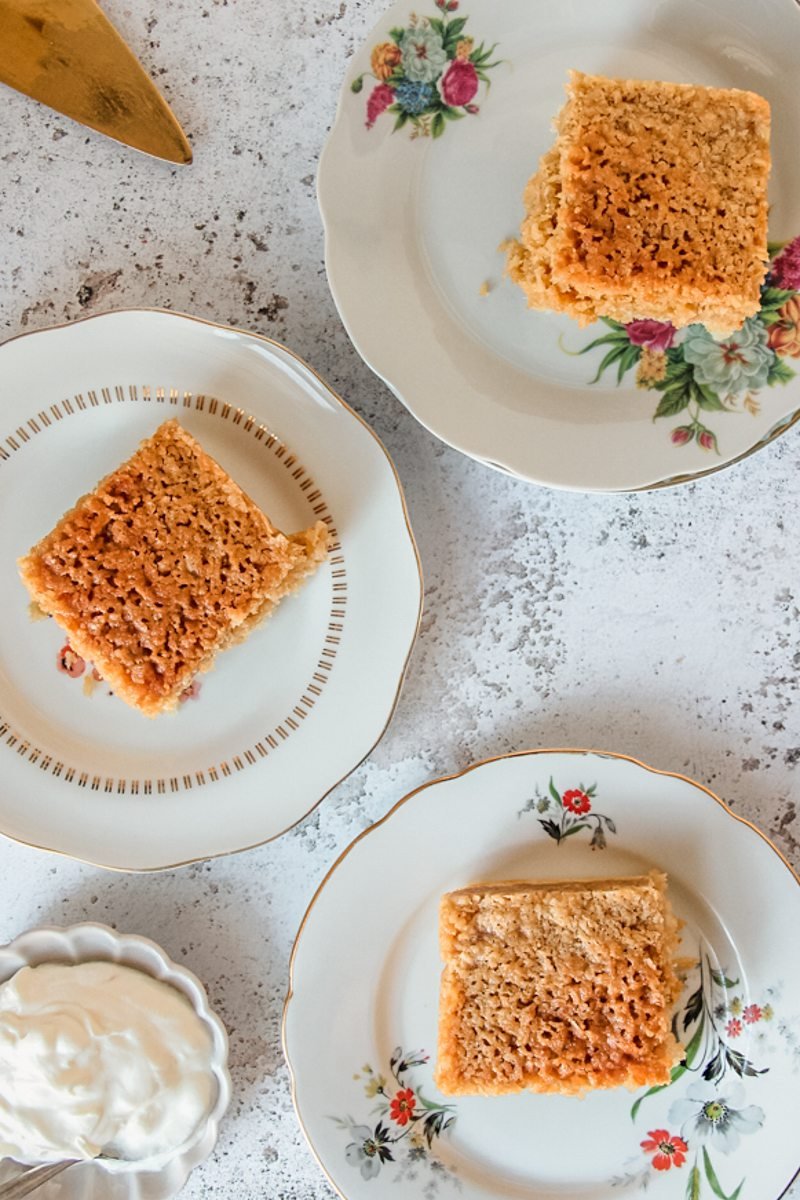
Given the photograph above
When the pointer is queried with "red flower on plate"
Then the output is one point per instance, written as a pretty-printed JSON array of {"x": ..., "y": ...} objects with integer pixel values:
[
  {"x": 576, "y": 801},
  {"x": 752, "y": 1014},
  {"x": 460, "y": 83},
  {"x": 655, "y": 335},
  {"x": 734, "y": 1027},
  {"x": 401, "y": 1108},
  {"x": 379, "y": 100},
  {"x": 785, "y": 270},
  {"x": 69, "y": 662},
  {"x": 668, "y": 1149}
]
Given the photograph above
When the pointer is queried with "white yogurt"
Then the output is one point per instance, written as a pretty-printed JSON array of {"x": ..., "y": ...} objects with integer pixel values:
[{"x": 96, "y": 1058}]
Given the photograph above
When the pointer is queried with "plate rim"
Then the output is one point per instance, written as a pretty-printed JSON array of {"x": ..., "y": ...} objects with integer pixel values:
[
  {"x": 577, "y": 751},
  {"x": 782, "y": 426},
  {"x": 301, "y": 362}
]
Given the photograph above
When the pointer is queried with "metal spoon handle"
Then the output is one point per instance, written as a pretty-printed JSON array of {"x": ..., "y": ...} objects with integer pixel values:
[{"x": 34, "y": 1177}]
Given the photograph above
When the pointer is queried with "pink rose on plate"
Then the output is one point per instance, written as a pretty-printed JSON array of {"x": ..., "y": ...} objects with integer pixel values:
[
  {"x": 785, "y": 271},
  {"x": 653, "y": 335},
  {"x": 379, "y": 100},
  {"x": 459, "y": 83}
]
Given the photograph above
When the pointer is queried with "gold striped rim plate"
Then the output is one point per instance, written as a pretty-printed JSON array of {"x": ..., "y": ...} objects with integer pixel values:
[{"x": 272, "y": 739}]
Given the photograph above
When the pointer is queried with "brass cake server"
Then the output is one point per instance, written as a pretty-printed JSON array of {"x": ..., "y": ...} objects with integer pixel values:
[{"x": 68, "y": 55}]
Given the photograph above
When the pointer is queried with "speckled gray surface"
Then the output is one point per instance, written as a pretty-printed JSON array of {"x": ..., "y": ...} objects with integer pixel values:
[{"x": 663, "y": 626}]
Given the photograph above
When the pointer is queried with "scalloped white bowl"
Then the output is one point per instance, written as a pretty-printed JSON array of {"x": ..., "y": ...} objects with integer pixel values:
[{"x": 155, "y": 1178}]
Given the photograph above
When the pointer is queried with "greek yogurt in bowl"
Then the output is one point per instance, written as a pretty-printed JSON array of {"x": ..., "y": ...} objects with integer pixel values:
[
  {"x": 107, "y": 1048},
  {"x": 99, "y": 1058}
]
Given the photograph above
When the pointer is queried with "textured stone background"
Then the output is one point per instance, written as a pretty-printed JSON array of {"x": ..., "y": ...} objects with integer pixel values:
[{"x": 663, "y": 626}]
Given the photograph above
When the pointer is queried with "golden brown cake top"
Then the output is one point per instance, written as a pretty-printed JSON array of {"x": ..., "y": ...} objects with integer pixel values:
[
  {"x": 152, "y": 572},
  {"x": 665, "y": 183},
  {"x": 557, "y": 986}
]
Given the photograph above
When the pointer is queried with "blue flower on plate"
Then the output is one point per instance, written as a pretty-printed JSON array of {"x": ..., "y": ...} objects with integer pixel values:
[
  {"x": 413, "y": 98},
  {"x": 368, "y": 1149}
]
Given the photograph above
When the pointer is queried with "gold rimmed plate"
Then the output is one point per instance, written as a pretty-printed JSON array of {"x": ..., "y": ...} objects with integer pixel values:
[
  {"x": 444, "y": 113},
  {"x": 283, "y": 717},
  {"x": 362, "y": 1068}
]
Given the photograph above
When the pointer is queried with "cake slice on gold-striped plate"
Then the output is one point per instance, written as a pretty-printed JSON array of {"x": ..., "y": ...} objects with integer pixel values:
[{"x": 166, "y": 563}]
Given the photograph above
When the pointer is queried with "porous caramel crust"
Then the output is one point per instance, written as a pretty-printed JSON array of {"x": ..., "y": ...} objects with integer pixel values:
[
  {"x": 162, "y": 566},
  {"x": 557, "y": 987},
  {"x": 651, "y": 203}
]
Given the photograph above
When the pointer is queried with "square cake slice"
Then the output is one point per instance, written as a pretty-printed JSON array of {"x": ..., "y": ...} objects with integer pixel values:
[
  {"x": 163, "y": 565},
  {"x": 652, "y": 203},
  {"x": 557, "y": 987}
]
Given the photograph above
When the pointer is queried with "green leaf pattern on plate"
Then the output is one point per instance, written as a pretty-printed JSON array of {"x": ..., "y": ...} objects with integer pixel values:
[
  {"x": 563, "y": 814},
  {"x": 712, "y": 1114},
  {"x": 697, "y": 374},
  {"x": 402, "y": 1126}
]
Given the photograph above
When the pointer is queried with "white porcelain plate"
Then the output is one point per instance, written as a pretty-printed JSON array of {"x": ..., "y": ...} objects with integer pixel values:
[
  {"x": 283, "y": 717},
  {"x": 361, "y": 1017},
  {"x": 442, "y": 119}
]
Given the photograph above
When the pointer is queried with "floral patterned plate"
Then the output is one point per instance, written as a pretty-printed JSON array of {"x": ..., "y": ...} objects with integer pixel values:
[
  {"x": 361, "y": 1015},
  {"x": 283, "y": 717},
  {"x": 442, "y": 119}
]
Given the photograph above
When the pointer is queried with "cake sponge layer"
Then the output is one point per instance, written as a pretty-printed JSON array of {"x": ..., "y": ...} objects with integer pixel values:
[
  {"x": 162, "y": 566},
  {"x": 651, "y": 203},
  {"x": 557, "y": 987}
]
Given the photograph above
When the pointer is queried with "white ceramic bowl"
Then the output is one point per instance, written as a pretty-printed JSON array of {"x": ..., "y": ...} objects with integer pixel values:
[{"x": 159, "y": 1177}]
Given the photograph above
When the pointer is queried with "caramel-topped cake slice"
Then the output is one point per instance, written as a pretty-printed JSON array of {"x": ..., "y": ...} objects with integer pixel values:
[
  {"x": 651, "y": 203},
  {"x": 557, "y": 987},
  {"x": 162, "y": 566}
]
